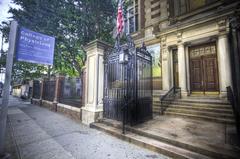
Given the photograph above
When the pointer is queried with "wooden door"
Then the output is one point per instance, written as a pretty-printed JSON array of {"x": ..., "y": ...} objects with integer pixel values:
[
  {"x": 210, "y": 74},
  {"x": 203, "y": 68},
  {"x": 196, "y": 75},
  {"x": 175, "y": 69}
]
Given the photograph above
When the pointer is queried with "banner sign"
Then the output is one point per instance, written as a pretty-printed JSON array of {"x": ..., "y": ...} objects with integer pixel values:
[{"x": 35, "y": 47}]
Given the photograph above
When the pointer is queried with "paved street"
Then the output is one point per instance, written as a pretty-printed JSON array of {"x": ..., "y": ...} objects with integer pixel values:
[{"x": 38, "y": 133}]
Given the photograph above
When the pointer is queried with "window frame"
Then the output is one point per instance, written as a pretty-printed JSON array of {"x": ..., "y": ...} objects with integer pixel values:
[{"x": 134, "y": 6}]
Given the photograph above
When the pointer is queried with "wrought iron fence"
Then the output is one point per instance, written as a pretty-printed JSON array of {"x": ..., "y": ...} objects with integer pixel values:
[
  {"x": 36, "y": 89},
  {"x": 234, "y": 102},
  {"x": 71, "y": 92},
  {"x": 128, "y": 84},
  {"x": 49, "y": 90}
]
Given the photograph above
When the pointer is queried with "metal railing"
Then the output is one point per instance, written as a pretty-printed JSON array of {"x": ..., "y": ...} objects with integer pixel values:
[
  {"x": 171, "y": 95},
  {"x": 36, "y": 89},
  {"x": 49, "y": 90},
  {"x": 71, "y": 92},
  {"x": 233, "y": 101}
]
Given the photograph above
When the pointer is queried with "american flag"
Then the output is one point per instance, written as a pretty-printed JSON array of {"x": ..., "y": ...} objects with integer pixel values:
[{"x": 120, "y": 18}]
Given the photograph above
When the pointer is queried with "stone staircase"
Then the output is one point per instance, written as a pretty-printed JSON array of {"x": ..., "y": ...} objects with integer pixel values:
[
  {"x": 165, "y": 145},
  {"x": 156, "y": 101},
  {"x": 202, "y": 108}
]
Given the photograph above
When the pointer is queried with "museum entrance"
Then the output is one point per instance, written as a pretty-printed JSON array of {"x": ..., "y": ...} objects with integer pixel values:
[
  {"x": 128, "y": 84},
  {"x": 204, "y": 69}
]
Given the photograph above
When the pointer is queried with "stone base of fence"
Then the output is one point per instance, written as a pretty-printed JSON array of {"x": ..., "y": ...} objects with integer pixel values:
[
  {"x": 47, "y": 104},
  {"x": 90, "y": 116},
  {"x": 72, "y": 112},
  {"x": 36, "y": 101},
  {"x": 54, "y": 106}
]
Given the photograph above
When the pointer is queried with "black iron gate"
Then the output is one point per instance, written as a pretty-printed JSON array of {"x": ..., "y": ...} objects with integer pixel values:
[{"x": 128, "y": 84}]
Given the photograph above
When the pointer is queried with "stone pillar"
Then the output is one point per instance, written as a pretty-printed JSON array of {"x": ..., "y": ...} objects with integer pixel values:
[
  {"x": 83, "y": 99},
  {"x": 93, "y": 108},
  {"x": 166, "y": 66},
  {"x": 58, "y": 86},
  {"x": 225, "y": 77},
  {"x": 182, "y": 69}
]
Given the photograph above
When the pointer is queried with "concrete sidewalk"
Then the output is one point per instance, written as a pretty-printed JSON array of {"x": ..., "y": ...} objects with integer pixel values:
[{"x": 37, "y": 133}]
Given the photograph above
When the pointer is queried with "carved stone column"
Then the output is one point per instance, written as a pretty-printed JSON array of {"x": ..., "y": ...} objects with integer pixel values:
[
  {"x": 166, "y": 69},
  {"x": 224, "y": 63},
  {"x": 182, "y": 69}
]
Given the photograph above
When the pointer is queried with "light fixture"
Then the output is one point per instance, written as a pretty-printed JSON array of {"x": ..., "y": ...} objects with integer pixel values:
[{"x": 123, "y": 57}]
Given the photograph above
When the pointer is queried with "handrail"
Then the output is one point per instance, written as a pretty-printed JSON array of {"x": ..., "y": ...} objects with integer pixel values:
[
  {"x": 171, "y": 93},
  {"x": 233, "y": 101}
]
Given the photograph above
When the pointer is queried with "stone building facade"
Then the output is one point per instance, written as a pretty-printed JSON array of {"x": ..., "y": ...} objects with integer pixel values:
[{"x": 189, "y": 41}]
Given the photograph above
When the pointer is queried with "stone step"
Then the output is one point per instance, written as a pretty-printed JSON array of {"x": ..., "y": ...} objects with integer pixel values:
[
  {"x": 202, "y": 117},
  {"x": 156, "y": 100},
  {"x": 156, "y": 111},
  {"x": 200, "y": 112},
  {"x": 212, "y": 105},
  {"x": 149, "y": 143},
  {"x": 200, "y": 108},
  {"x": 206, "y": 150},
  {"x": 202, "y": 101},
  {"x": 196, "y": 107},
  {"x": 198, "y": 96},
  {"x": 226, "y": 108}
]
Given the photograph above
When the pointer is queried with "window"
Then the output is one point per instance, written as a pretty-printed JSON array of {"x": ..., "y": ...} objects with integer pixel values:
[
  {"x": 154, "y": 50},
  {"x": 132, "y": 17},
  {"x": 185, "y": 6}
]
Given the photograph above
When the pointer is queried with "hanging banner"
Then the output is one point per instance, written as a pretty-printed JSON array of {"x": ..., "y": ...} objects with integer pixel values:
[{"x": 35, "y": 47}]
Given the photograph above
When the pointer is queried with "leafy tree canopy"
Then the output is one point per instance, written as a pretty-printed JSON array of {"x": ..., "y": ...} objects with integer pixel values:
[{"x": 73, "y": 23}]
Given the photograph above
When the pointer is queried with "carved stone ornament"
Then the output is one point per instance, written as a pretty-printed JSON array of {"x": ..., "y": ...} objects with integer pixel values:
[
  {"x": 222, "y": 26},
  {"x": 163, "y": 41},
  {"x": 179, "y": 36}
]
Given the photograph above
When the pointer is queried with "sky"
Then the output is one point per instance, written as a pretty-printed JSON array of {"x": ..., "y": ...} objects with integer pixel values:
[
  {"x": 4, "y": 16},
  {"x": 4, "y": 6}
]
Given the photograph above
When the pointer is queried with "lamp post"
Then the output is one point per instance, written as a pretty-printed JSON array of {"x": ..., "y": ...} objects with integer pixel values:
[
  {"x": 1, "y": 46},
  {"x": 6, "y": 88}
]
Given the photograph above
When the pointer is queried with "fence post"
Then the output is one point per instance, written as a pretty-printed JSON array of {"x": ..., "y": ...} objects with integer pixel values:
[
  {"x": 93, "y": 108},
  {"x": 41, "y": 91},
  {"x": 31, "y": 86},
  {"x": 57, "y": 94}
]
